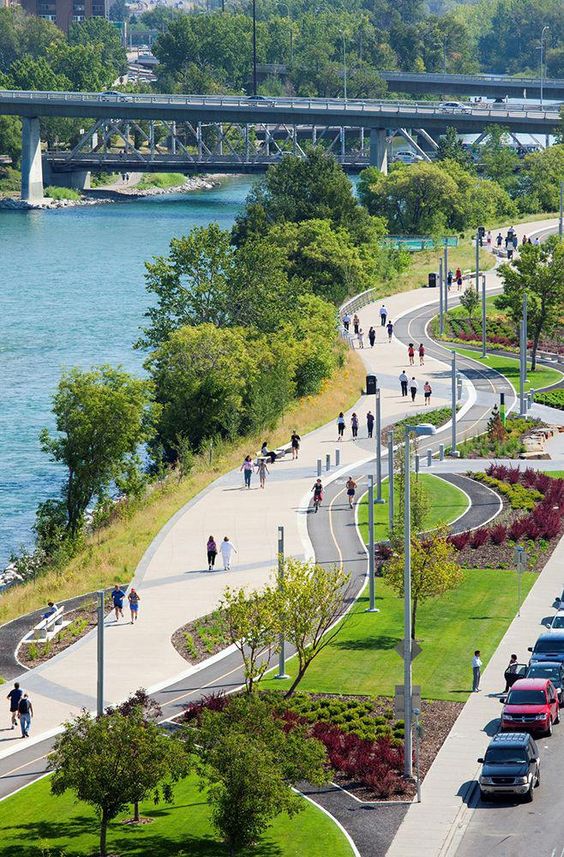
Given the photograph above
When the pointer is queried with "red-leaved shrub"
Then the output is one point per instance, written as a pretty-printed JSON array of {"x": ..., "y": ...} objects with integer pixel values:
[
  {"x": 459, "y": 540},
  {"x": 518, "y": 529},
  {"x": 498, "y": 534},
  {"x": 479, "y": 537}
]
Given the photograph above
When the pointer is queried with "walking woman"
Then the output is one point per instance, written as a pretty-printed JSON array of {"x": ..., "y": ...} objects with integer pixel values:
[
  {"x": 360, "y": 337},
  {"x": 351, "y": 490},
  {"x": 411, "y": 353},
  {"x": 390, "y": 329},
  {"x": 340, "y": 426},
  {"x": 295, "y": 440},
  {"x": 354, "y": 426},
  {"x": 421, "y": 354},
  {"x": 134, "y": 600},
  {"x": 211, "y": 548},
  {"x": 227, "y": 549},
  {"x": 262, "y": 470},
  {"x": 247, "y": 468},
  {"x": 427, "y": 390},
  {"x": 372, "y": 336},
  {"x": 356, "y": 323},
  {"x": 413, "y": 388}
]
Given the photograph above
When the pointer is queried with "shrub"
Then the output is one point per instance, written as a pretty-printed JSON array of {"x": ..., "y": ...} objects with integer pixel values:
[
  {"x": 61, "y": 193},
  {"x": 479, "y": 537},
  {"x": 459, "y": 540},
  {"x": 498, "y": 534},
  {"x": 517, "y": 529},
  {"x": 211, "y": 702}
]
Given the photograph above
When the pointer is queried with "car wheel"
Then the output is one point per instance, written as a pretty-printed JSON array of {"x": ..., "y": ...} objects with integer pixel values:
[
  {"x": 529, "y": 796},
  {"x": 548, "y": 732},
  {"x": 557, "y": 718},
  {"x": 537, "y": 784}
]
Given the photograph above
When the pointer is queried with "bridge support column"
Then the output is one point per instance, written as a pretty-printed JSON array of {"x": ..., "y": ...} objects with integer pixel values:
[
  {"x": 379, "y": 149},
  {"x": 77, "y": 179},
  {"x": 32, "y": 173}
]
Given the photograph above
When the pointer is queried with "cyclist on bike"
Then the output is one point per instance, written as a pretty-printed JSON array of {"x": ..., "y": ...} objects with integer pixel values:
[{"x": 317, "y": 494}]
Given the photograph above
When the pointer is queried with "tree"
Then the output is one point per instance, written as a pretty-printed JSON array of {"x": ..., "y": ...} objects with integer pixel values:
[
  {"x": 499, "y": 161},
  {"x": 99, "y": 31},
  {"x": 434, "y": 571},
  {"x": 540, "y": 179},
  {"x": 37, "y": 73},
  {"x": 252, "y": 626},
  {"x": 22, "y": 34},
  {"x": 11, "y": 137},
  {"x": 450, "y": 147},
  {"x": 311, "y": 602},
  {"x": 102, "y": 416},
  {"x": 538, "y": 272},
  {"x": 82, "y": 64},
  {"x": 470, "y": 301},
  {"x": 106, "y": 775},
  {"x": 419, "y": 499},
  {"x": 249, "y": 761}
]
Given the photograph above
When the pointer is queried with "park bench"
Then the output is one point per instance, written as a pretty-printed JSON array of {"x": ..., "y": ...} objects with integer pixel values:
[
  {"x": 48, "y": 627},
  {"x": 280, "y": 451}
]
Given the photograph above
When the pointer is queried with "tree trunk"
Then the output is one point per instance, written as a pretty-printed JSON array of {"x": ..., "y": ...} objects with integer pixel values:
[
  {"x": 413, "y": 617},
  {"x": 136, "y": 811},
  {"x": 296, "y": 682},
  {"x": 103, "y": 834}
]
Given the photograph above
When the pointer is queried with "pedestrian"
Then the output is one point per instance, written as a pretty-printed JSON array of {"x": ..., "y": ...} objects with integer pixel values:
[
  {"x": 134, "y": 600},
  {"x": 427, "y": 391},
  {"x": 499, "y": 239},
  {"x": 360, "y": 337},
  {"x": 536, "y": 242},
  {"x": 390, "y": 329},
  {"x": 510, "y": 251},
  {"x": 117, "y": 600},
  {"x": 383, "y": 315},
  {"x": 25, "y": 713},
  {"x": 14, "y": 696},
  {"x": 372, "y": 336},
  {"x": 403, "y": 379},
  {"x": 295, "y": 441},
  {"x": 530, "y": 242},
  {"x": 449, "y": 279},
  {"x": 370, "y": 423},
  {"x": 421, "y": 354},
  {"x": 354, "y": 426},
  {"x": 267, "y": 453},
  {"x": 340, "y": 426},
  {"x": 262, "y": 470},
  {"x": 515, "y": 241},
  {"x": 227, "y": 549},
  {"x": 356, "y": 323},
  {"x": 411, "y": 353},
  {"x": 510, "y": 669},
  {"x": 476, "y": 671},
  {"x": 51, "y": 608},
  {"x": 346, "y": 321},
  {"x": 524, "y": 239},
  {"x": 211, "y": 549},
  {"x": 413, "y": 388},
  {"x": 458, "y": 276},
  {"x": 247, "y": 468},
  {"x": 489, "y": 240},
  {"x": 351, "y": 490}
]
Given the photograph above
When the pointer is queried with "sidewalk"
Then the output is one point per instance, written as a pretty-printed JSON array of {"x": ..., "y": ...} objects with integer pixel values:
[{"x": 172, "y": 578}]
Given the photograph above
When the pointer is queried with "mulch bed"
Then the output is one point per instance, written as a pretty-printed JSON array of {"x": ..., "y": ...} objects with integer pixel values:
[
  {"x": 199, "y": 650},
  {"x": 64, "y": 639}
]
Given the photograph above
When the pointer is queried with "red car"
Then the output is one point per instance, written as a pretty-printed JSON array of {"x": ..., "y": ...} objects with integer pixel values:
[{"x": 531, "y": 705}]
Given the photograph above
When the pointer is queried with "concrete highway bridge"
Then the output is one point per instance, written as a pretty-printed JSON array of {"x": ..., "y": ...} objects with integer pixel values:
[
  {"x": 490, "y": 85},
  {"x": 119, "y": 115}
]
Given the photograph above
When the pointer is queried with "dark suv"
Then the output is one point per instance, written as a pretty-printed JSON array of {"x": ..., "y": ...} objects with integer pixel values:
[
  {"x": 548, "y": 647},
  {"x": 511, "y": 766}
]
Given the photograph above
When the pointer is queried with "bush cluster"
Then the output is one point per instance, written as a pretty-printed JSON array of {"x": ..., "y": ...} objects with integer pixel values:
[
  {"x": 488, "y": 446},
  {"x": 552, "y": 398},
  {"x": 517, "y": 495}
]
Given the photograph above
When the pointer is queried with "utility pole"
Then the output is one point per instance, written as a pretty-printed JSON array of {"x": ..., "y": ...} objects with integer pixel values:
[
  {"x": 408, "y": 737},
  {"x": 371, "y": 563},
  {"x": 344, "y": 66},
  {"x": 254, "y": 47},
  {"x": 523, "y": 358},
  {"x": 453, "y": 398},
  {"x": 477, "y": 262},
  {"x": 100, "y": 655},
  {"x": 391, "y": 481},
  {"x": 445, "y": 267},
  {"x": 526, "y": 324},
  {"x": 281, "y": 641},
  {"x": 543, "y": 31},
  {"x": 441, "y": 300},
  {"x": 378, "y": 433},
  {"x": 483, "y": 315},
  {"x": 561, "y": 218}
]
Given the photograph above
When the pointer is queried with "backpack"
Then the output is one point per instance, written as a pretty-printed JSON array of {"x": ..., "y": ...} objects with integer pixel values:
[{"x": 23, "y": 706}]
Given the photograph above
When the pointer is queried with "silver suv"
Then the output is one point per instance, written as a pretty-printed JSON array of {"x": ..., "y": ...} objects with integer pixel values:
[{"x": 511, "y": 766}]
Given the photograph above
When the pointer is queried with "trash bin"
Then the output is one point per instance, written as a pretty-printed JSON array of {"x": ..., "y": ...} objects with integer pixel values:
[
  {"x": 371, "y": 385},
  {"x": 432, "y": 281}
]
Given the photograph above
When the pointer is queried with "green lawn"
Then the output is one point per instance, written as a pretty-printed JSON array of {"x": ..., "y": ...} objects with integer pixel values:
[
  {"x": 543, "y": 376},
  {"x": 446, "y": 503},
  {"x": 361, "y": 659},
  {"x": 35, "y": 824},
  {"x": 162, "y": 180}
]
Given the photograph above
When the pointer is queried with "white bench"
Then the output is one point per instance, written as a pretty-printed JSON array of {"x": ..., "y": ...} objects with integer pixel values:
[{"x": 48, "y": 627}]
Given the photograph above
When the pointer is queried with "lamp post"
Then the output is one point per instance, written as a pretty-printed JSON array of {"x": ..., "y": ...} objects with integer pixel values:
[
  {"x": 453, "y": 398},
  {"x": 378, "y": 433},
  {"x": 542, "y": 41},
  {"x": 441, "y": 300},
  {"x": 100, "y": 655},
  {"x": 483, "y": 315},
  {"x": 561, "y": 218},
  {"x": 523, "y": 358},
  {"x": 281, "y": 640},
  {"x": 344, "y": 66},
  {"x": 418, "y": 430},
  {"x": 371, "y": 560},
  {"x": 254, "y": 47},
  {"x": 391, "y": 481}
]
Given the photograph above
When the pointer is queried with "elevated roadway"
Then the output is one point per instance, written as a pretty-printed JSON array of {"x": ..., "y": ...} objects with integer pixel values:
[{"x": 491, "y": 85}]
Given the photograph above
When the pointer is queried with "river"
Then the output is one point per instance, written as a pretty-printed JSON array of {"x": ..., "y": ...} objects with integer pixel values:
[{"x": 72, "y": 293}]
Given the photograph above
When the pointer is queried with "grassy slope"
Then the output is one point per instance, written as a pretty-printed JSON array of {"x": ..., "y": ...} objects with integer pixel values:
[
  {"x": 362, "y": 660},
  {"x": 113, "y": 553},
  {"x": 446, "y": 503},
  {"x": 463, "y": 256},
  {"x": 162, "y": 180},
  {"x": 543, "y": 376},
  {"x": 35, "y": 824}
]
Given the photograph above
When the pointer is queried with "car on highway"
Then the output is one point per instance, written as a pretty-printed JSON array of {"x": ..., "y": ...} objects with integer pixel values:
[
  {"x": 530, "y": 706},
  {"x": 511, "y": 766},
  {"x": 548, "y": 647},
  {"x": 406, "y": 156},
  {"x": 553, "y": 670},
  {"x": 260, "y": 100},
  {"x": 455, "y": 107},
  {"x": 112, "y": 95}
]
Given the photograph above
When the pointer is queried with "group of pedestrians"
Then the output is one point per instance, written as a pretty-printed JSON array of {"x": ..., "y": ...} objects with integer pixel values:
[
  {"x": 118, "y": 597},
  {"x": 358, "y": 332},
  {"x": 410, "y": 386},
  {"x": 354, "y": 424},
  {"x": 420, "y": 352},
  {"x": 226, "y": 548},
  {"x": 260, "y": 465},
  {"x": 20, "y": 709}
]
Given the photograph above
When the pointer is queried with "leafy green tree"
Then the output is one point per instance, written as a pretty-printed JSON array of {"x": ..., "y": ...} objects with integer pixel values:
[
  {"x": 249, "y": 762},
  {"x": 99, "y": 31},
  {"x": 37, "y": 73},
  {"x": 11, "y": 137},
  {"x": 499, "y": 161},
  {"x": 540, "y": 179},
  {"x": 83, "y": 64},
  {"x": 450, "y": 147},
  {"x": 202, "y": 375},
  {"x": 312, "y": 325},
  {"x": 419, "y": 499},
  {"x": 478, "y": 201},
  {"x": 539, "y": 271},
  {"x": 86, "y": 760},
  {"x": 24, "y": 35},
  {"x": 102, "y": 416},
  {"x": 311, "y": 602},
  {"x": 470, "y": 301},
  {"x": 252, "y": 626},
  {"x": 434, "y": 571},
  {"x": 118, "y": 11}
]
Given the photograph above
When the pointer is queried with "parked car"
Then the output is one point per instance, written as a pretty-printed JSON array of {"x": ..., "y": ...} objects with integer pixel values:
[
  {"x": 548, "y": 647},
  {"x": 511, "y": 766},
  {"x": 531, "y": 705},
  {"x": 554, "y": 670},
  {"x": 455, "y": 107},
  {"x": 557, "y": 621},
  {"x": 406, "y": 156},
  {"x": 517, "y": 671}
]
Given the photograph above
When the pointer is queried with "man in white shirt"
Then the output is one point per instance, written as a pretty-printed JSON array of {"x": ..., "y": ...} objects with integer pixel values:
[
  {"x": 476, "y": 671},
  {"x": 346, "y": 321},
  {"x": 413, "y": 388},
  {"x": 383, "y": 315}
]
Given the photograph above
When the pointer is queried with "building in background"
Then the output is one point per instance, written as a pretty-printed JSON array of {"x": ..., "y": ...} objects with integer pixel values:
[{"x": 63, "y": 13}]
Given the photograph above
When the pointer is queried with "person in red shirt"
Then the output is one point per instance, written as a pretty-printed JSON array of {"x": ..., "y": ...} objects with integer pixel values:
[
  {"x": 411, "y": 353},
  {"x": 421, "y": 354}
]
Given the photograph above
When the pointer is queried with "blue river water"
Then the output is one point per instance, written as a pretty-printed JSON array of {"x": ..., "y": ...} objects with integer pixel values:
[{"x": 72, "y": 293}]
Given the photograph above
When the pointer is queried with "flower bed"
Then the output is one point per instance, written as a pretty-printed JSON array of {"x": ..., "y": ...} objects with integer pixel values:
[
  {"x": 552, "y": 398},
  {"x": 510, "y": 446}
]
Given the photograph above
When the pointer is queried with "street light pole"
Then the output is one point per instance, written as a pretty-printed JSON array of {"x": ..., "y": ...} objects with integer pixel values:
[
  {"x": 445, "y": 267},
  {"x": 483, "y": 315},
  {"x": 526, "y": 326},
  {"x": 561, "y": 218},
  {"x": 453, "y": 398},
  {"x": 379, "y": 498},
  {"x": 408, "y": 750},
  {"x": 543, "y": 31},
  {"x": 254, "y": 47},
  {"x": 477, "y": 262},
  {"x": 100, "y": 655},
  {"x": 441, "y": 300},
  {"x": 344, "y": 66},
  {"x": 371, "y": 563},
  {"x": 281, "y": 641},
  {"x": 391, "y": 481}
]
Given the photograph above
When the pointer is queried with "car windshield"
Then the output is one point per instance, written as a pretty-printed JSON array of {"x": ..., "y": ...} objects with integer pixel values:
[
  {"x": 526, "y": 697},
  {"x": 499, "y": 755},
  {"x": 539, "y": 671},
  {"x": 558, "y": 622},
  {"x": 549, "y": 645}
]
